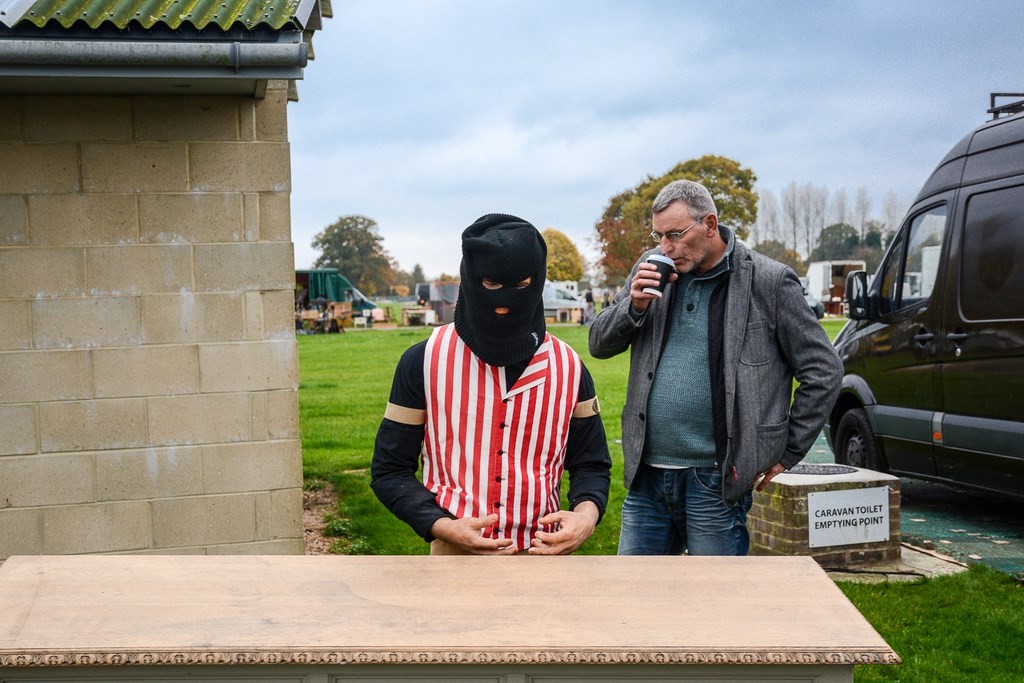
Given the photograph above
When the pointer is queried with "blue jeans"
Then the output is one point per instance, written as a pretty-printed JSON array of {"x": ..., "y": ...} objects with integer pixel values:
[{"x": 667, "y": 512}]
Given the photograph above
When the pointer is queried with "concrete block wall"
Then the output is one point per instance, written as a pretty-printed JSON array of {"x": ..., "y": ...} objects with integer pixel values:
[{"x": 148, "y": 365}]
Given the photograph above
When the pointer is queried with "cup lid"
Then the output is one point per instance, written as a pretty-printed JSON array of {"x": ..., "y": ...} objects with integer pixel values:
[{"x": 662, "y": 258}]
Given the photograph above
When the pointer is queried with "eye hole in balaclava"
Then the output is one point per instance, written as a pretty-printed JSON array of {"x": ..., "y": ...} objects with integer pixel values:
[{"x": 505, "y": 250}]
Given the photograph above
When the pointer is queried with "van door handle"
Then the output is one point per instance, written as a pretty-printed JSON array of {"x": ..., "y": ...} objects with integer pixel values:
[
  {"x": 956, "y": 337},
  {"x": 923, "y": 337}
]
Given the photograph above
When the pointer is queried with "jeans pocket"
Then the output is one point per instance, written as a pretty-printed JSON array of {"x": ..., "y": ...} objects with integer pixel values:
[{"x": 709, "y": 478}]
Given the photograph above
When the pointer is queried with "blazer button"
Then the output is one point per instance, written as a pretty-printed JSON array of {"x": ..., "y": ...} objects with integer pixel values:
[
  {"x": 641, "y": 417},
  {"x": 650, "y": 375}
]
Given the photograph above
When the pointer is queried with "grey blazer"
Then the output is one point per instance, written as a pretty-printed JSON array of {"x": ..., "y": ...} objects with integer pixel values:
[{"x": 770, "y": 337}]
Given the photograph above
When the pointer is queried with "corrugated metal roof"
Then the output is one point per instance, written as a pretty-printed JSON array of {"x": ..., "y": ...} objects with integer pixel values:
[{"x": 201, "y": 14}]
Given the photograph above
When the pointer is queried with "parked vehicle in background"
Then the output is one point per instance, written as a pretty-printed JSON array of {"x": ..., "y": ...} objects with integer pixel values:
[
  {"x": 934, "y": 350},
  {"x": 813, "y": 301},
  {"x": 827, "y": 281}
]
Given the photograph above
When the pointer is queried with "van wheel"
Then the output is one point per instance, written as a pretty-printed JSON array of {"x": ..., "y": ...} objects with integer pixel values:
[{"x": 856, "y": 444}]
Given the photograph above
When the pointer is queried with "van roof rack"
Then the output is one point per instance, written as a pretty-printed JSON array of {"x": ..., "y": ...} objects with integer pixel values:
[{"x": 1007, "y": 109}]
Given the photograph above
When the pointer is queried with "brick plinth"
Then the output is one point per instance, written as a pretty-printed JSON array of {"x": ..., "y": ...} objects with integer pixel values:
[{"x": 778, "y": 521}]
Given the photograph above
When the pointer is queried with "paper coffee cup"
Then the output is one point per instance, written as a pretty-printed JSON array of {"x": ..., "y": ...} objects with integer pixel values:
[{"x": 666, "y": 267}]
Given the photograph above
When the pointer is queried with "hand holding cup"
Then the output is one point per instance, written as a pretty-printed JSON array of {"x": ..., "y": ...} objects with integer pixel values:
[{"x": 647, "y": 286}]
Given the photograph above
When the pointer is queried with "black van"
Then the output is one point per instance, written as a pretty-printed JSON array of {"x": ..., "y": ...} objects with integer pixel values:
[{"x": 934, "y": 350}]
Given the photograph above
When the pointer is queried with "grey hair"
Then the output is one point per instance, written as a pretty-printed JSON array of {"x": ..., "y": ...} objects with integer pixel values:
[{"x": 694, "y": 195}]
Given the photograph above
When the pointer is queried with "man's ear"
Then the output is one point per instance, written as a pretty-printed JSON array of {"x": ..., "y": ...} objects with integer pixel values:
[{"x": 711, "y": 221}]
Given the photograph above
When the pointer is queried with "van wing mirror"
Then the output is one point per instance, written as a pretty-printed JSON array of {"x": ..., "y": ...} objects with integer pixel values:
[{"x": 857, "y": 295}]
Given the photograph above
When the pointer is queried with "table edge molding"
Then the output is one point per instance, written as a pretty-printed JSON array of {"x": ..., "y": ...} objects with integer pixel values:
[{"x": 329, "y": 657}]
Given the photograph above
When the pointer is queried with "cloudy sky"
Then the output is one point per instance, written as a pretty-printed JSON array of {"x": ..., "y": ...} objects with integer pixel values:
[{"x": 425, "y": 114}]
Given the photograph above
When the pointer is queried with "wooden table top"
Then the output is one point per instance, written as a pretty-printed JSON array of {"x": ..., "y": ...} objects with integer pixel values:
[{"x": 174, "y": 609}]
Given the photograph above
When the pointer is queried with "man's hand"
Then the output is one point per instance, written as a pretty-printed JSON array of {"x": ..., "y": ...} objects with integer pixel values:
[
  {"x": 574, "y": 527},
  {"x": 769, "y": 474},
  {"x": 466, "y": 534},
  {"x": 646, "y": 276}
]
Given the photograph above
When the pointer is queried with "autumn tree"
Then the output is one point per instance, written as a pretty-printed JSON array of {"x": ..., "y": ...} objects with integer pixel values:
[
  {"x": 564, "y": 260},
  {"x": 626, "y": 222},
  {"x": 354, "y": 246}
]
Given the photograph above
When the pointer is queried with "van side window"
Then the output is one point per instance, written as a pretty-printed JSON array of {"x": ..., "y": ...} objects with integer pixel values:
[
  {"x": 908, "y": 274},
  {"x": 992, "y": 267}
]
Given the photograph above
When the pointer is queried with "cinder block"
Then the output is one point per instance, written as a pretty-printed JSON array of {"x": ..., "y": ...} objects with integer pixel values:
[
  {"x": 272, "y": 116},
  {"x": 92, "y": 425},
  {"x": 13, "y": 223},
  {"x": 140, "y": 269},
  {"x": 37, "y": 168},
  {"x": 10, "y": 117},
  {"x": 28, "y": 273},
  {"x": 77, "y": 118},
  {"x": 275, "y": 217},
  {"x": 73, "y": 219},
  {"x": 255, "y": 466},
  {"x": 248, "y": 366},
  {"x": 27, "y": 376},
  {"x": 145, "y": 371},
  {"x": 199, "y": 419},
  {"x": 186, "y": 118},
  {"x": 286, "y": 513},
  {"x": 21, "y": 532},
  {"x": 253, "y": 316},
  {"x": 258, "y": 404},
  {"x": 246, "y": 120},
  {"x": 89, "y": 322},
  {"x": 17, "y": 430},
  {"x": 149, "y": 473},
  {"x": 139, "y": 167},
  {"x": 40, "y": 480},
  {"x": 194, "y": 217},
  {"x": 263, "y": 520},
  {"x": 286, "y": 546},
  {"x": 239, "y": 167},
  {"x": 203, "y": 520},
  {"x": 15, "y": 325},
  {"x": 241, "y": 267},
  {"x": 283, "y": 414},
  {"x": 279, "y": 314},
  {"x": 103, "y": 527},
  {"x": 185, "y": 318},
  {"x": 251, "y": 216}
]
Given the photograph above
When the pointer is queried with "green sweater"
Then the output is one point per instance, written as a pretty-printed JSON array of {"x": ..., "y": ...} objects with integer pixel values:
[{"x": 680, "y": 428}]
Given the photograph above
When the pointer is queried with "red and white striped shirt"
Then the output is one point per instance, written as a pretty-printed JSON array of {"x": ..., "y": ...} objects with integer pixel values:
[{"x": 490, "y": 448}]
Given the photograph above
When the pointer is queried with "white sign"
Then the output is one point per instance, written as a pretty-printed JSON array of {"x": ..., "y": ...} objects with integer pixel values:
[{"x": 847, "y": 517}]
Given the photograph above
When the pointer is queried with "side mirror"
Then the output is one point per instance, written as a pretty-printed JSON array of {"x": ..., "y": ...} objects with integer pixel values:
[{"x": 857, "y": 295}]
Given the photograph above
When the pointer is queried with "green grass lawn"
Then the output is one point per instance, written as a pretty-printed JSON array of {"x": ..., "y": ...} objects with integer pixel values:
[{"x": 968, "y": 627}]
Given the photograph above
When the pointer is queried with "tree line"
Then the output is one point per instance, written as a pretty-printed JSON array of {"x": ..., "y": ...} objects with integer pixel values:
[
  {"x": 354, "y": 245},
  {"x": 803, "y": 223}
]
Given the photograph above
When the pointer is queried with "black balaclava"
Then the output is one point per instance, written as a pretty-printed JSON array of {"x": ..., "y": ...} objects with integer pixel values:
[{"x": 508, "y": 250}]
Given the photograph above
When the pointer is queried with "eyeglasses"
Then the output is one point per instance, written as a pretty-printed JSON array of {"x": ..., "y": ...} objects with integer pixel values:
[{"x": 675, "y": 235}]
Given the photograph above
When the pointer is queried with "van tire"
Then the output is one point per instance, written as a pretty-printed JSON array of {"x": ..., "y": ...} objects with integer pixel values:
[{"x": 856, "y": 444}]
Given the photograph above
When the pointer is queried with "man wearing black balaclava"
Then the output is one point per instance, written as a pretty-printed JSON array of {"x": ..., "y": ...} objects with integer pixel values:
[{"x": 499, "y": 408}]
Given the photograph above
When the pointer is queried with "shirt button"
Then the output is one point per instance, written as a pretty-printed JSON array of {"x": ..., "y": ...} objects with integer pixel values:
[
  {"x": 497, "y": 479},
  {"x": 497, "y": 505},
  {"x": 501, "y": 426},
  {"x": 501, "y": 452},
  {"x": 689, "y": 307}
]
